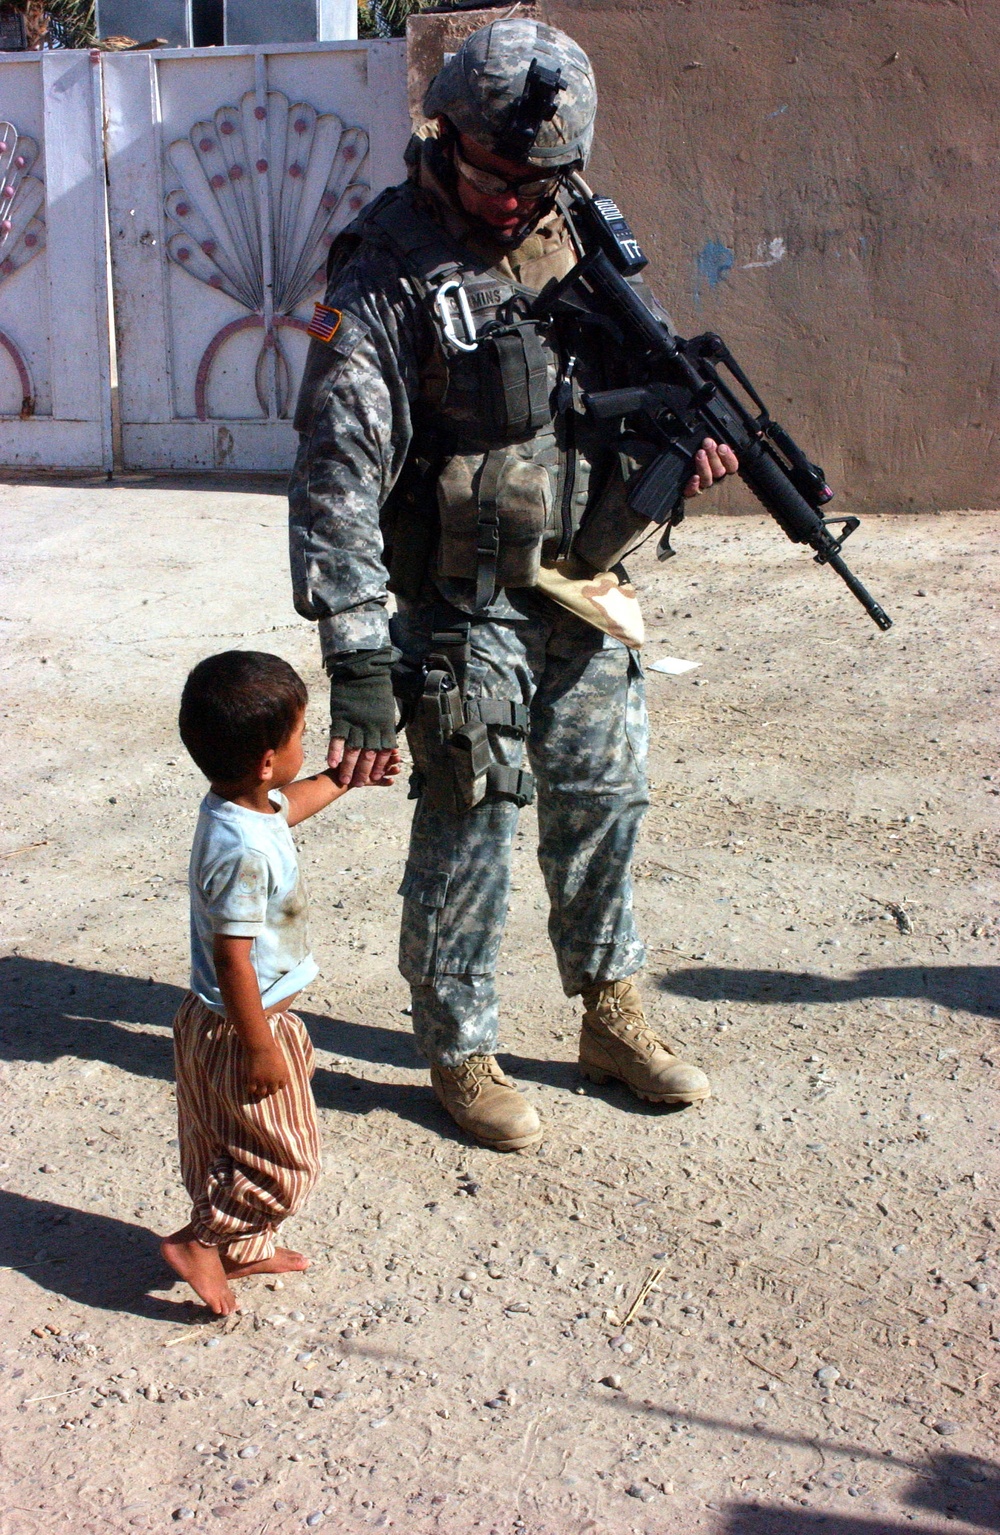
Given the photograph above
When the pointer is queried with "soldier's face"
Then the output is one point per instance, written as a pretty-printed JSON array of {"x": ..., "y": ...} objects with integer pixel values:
[{"x": 504, "y": 210}]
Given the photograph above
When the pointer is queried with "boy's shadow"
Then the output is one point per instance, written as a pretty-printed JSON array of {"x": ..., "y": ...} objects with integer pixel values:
[
  {"x": 94, "y": 1260},
  {"x": 50, "y": 1010}
]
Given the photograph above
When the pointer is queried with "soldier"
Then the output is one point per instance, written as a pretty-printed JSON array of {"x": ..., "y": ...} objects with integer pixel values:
[{"x": 444, "y": 453}]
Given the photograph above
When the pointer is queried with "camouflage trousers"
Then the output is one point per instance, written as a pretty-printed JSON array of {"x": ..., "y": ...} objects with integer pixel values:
[{"x": 586, "y": 746}]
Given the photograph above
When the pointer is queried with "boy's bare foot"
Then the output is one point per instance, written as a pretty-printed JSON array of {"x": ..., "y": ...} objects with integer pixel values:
[
  {"x": 201, "y": 1268},
  {"x": 283, "y": 1261}
]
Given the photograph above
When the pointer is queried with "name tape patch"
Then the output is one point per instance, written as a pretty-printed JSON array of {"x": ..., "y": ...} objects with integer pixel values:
[{"x": 325, "y": 322}]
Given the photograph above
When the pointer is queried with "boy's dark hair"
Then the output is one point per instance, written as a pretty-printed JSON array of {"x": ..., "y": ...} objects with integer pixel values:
[{"x": 235, "y": 707}]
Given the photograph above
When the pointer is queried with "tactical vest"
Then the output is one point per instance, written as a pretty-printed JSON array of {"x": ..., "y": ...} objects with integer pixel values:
[{"x": 500, "y": 465}]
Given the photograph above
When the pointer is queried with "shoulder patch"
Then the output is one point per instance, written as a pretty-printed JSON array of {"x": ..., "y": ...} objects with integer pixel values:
[{"x": 325, "y": 322}]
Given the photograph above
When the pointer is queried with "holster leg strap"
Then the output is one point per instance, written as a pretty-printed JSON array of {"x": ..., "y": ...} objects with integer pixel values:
[
  {"x": 503, "y": 712},
  {"x": 515, "y": 784}
]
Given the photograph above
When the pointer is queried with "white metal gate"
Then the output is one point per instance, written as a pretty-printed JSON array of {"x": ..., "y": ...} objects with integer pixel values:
[
  {"x": 229, "y": 172},
  {"x": 55, "y": 393}
]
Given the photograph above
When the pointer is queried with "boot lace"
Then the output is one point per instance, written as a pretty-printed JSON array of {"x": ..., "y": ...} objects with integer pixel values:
[
  {"x": 476, "y": 1071},
  {"x": 633, "y": 1025}
]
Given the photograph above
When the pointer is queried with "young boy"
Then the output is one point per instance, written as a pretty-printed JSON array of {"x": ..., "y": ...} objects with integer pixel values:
[{"x": 249, "y": 1143}]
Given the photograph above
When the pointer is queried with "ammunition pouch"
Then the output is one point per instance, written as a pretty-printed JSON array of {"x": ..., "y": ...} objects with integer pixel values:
[{"x": 513, "y": 369}]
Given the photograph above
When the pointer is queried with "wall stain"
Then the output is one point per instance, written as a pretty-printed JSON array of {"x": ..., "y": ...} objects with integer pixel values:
[{"x": 715, "y": 260}]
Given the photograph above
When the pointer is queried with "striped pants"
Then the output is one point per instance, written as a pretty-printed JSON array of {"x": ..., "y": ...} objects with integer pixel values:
[{"x": 245, "y": 1165}]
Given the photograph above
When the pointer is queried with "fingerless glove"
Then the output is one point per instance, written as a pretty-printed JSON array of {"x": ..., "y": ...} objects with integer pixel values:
[{"x": 362, "y": 708}]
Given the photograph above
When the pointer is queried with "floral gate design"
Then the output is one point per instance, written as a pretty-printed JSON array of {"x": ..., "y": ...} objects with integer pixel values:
[
  {"x": 22, "y": 231},
  {"x": 264, "y": 189},
  {"x": 230, "y": 173}
]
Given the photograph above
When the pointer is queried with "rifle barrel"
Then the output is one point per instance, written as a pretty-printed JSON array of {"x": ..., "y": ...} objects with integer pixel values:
[{"x": 801, "y": 522}]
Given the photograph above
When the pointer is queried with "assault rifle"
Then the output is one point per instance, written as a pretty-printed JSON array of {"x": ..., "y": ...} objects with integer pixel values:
[{"x": 682, "y": 399}]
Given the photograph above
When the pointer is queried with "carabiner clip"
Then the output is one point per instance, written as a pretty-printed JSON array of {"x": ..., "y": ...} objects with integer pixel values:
[{"x": 451, "y": 336}]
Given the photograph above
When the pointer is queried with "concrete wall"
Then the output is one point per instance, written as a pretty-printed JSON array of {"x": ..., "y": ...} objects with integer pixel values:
[{"x": 815, "y": 179}]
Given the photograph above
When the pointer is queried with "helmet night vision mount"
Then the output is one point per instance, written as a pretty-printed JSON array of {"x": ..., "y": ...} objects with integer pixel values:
[{"x": 535, "y": 105}]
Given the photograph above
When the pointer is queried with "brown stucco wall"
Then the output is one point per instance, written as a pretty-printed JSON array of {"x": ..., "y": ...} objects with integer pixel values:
[{"x": 816, "y": 179}]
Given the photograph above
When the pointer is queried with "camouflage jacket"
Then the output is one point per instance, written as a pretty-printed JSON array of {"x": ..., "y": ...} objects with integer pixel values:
[{"x": 355, "y": 417}]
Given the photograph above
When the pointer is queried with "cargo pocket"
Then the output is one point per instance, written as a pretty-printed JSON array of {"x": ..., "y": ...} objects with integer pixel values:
[{"x": 424, "y": 893}]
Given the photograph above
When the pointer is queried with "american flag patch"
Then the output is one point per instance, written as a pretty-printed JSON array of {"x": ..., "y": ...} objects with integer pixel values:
[{"x": 325, "y": 323}]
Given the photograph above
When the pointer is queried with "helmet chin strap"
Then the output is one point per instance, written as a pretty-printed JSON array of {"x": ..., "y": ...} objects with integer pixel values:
[{"x": 523, "y": 230}]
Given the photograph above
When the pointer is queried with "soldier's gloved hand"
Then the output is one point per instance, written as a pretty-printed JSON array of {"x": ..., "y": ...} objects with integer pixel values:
[{"x": 362, "y": 716}]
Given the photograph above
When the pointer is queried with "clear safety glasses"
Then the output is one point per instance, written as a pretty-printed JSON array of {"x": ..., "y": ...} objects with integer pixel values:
[{"x": 498, "y": 186}]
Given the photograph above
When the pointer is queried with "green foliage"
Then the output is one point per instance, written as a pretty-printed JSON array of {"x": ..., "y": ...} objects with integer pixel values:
[
  {"x": 386, "y": 18},
  {"x": 57, "y": 23}
]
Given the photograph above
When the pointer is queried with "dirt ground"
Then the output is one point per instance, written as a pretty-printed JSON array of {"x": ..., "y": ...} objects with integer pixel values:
[{"x": 817, "y": 885}]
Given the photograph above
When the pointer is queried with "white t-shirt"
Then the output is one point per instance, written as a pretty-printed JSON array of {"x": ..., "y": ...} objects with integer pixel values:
[{"x": 244, "y": 882}]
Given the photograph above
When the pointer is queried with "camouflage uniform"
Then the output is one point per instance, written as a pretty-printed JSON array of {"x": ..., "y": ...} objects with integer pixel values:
[{"x": 360, "y": 413}]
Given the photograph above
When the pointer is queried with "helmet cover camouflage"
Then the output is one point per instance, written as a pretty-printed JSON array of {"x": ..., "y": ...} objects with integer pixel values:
[{"x": 480, "y": 88}]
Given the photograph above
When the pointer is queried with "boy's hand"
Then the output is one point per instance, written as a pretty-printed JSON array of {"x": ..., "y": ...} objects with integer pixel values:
[
  {"x": 266, "y": 1072},
  {"x": 357, "y": 769}
]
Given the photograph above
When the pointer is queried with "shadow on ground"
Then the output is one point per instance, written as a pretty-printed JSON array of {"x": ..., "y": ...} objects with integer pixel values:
[
  {"x": 94, "y": 1260},
  {"x": 956, "y": 1486},
  {"x": 974, "y": 988},
  {"x": 52, "y": 1010}
]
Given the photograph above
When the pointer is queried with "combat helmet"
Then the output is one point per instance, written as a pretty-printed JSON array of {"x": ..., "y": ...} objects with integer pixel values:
[{"x": 521, "y": 89}]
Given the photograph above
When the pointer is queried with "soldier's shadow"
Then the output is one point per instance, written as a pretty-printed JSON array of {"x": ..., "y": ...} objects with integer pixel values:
[{"x": 971, "y": 988}]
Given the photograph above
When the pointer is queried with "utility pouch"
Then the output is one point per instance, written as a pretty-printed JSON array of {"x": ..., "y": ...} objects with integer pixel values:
[{"x": 494, "y": 509}]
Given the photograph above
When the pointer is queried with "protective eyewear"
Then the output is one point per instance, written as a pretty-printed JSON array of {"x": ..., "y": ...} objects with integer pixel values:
[{"x": 498, "y": 186}]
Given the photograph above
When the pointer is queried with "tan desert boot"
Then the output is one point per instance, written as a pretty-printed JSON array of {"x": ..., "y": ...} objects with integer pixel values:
[
  {"x": 616, "y": 1041},
  {"x": 486, "y": 1104}
]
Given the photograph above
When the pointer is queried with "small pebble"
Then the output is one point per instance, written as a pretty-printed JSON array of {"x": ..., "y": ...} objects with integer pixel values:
[
  {"x": 945, "y": 1427},
  {"x": 635, "y": 1491},
  {"x": 613, "y": 1382},
  {"x": 296, "y": 1316},
  {"x": 249, "y": 1451},
  {"x": 828, "y": 1375},
  {"x": 495, "y": 1402},
  {"x": 469, "y": 1274},
  {"x": 302, "y": 1358},
  {"x": 183, "y": 1513},
  {"x": 212, "y": 1342},
  {"x": 46, "y": 1167},
  {"x": 313, "y": 1519}
]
